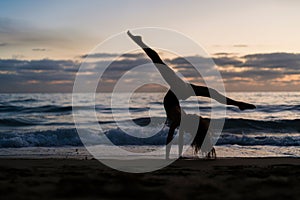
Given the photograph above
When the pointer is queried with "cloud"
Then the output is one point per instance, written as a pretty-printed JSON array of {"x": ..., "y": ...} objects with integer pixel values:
[
  {"x": 36, "y": 75},
  {"x": 250, "y": 72},
  {"x": 99, "y": 55},
  {"x": 262, "y": 72},
  {"x": 240, "y": 45},
  {"x": 112, "y": 55},
  {"x": 2, "y": 44},
  {"x": 45, "y": 64},
  {"x": 228, "y": 60},
  {"x": 254, "y": 71},
  {"x": 255, "y": 75},
  {"x": 223, "y": 54},
  {"x": 199, "y": 60},
  {"x": 273, "y": 60},
  {"x": 39, "y": 49}
]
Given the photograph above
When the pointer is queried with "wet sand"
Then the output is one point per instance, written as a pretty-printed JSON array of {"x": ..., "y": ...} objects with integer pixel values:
[{"x": 232, "y": 178}]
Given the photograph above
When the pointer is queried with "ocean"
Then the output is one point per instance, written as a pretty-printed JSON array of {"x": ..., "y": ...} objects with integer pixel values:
[{"x": 41, "y": 125}]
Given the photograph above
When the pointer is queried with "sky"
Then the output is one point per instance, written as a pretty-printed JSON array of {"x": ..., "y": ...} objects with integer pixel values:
[{"x": 255, "y": 44}]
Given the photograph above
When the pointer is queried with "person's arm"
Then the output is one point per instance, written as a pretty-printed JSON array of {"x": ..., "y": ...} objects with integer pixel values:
[
  {"x": 173, "y": 126},
  {"x": 180, "y": 142},
  {"x": 175, "y": 122},
  {"x": 167, "y": 73}
]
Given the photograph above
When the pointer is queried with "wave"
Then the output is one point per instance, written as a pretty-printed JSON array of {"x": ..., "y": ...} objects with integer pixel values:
[
  {"x": 49, "y": 138},
  {"x": 236, "y": 125},
  {"x": 232, "y": 125},
  {"x": 247, "y": 125},
  {"x": 9, "y": 108},
  {"x": 62, "y": 109},
  {"x": 24, "y": 108},
  {"x": 40, "y": 109},
  {"x": 259, "y": 108},
  {"x": 119, "y": 137},
  {"x": 19, "y": 122},
  {"x": 143, "y": 121},
  {"x": 4, "y": 101},
  {"x": 229, "y": 139},
  {"x": 70, "y": 137},
  {"x": 277, "y": 108},
  {"x": 26, "y": 100}
]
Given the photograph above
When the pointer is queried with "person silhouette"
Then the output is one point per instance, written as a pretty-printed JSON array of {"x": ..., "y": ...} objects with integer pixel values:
[{"x": 181, "y": 90}]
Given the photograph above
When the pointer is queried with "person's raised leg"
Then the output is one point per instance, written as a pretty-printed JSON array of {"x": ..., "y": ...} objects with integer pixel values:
[{"x": 212, "y": 93}]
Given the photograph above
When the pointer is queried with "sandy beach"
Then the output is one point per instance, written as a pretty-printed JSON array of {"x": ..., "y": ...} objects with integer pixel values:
[{"x": 226, "y": 178}]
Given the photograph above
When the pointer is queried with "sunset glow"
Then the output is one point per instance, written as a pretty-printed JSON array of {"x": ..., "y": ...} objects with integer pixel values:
[{"x": 254, "y": 43}]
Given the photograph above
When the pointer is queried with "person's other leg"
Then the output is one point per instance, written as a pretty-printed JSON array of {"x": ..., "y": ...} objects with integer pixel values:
[{"x": 212, "y": 93}]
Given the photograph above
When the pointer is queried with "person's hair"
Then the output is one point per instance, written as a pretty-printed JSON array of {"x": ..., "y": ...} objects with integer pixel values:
[{"x": 200, "y": 135}]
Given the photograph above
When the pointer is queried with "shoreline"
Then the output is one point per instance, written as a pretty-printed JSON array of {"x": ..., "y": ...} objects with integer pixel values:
[{"x": 223, "y": 178}]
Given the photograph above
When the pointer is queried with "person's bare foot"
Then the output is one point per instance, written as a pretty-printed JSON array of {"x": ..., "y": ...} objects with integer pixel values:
[{"x": 246, "y": 106}]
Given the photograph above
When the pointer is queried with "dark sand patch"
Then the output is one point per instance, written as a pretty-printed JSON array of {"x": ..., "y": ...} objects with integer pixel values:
[{"x": 238, "y": 178}]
